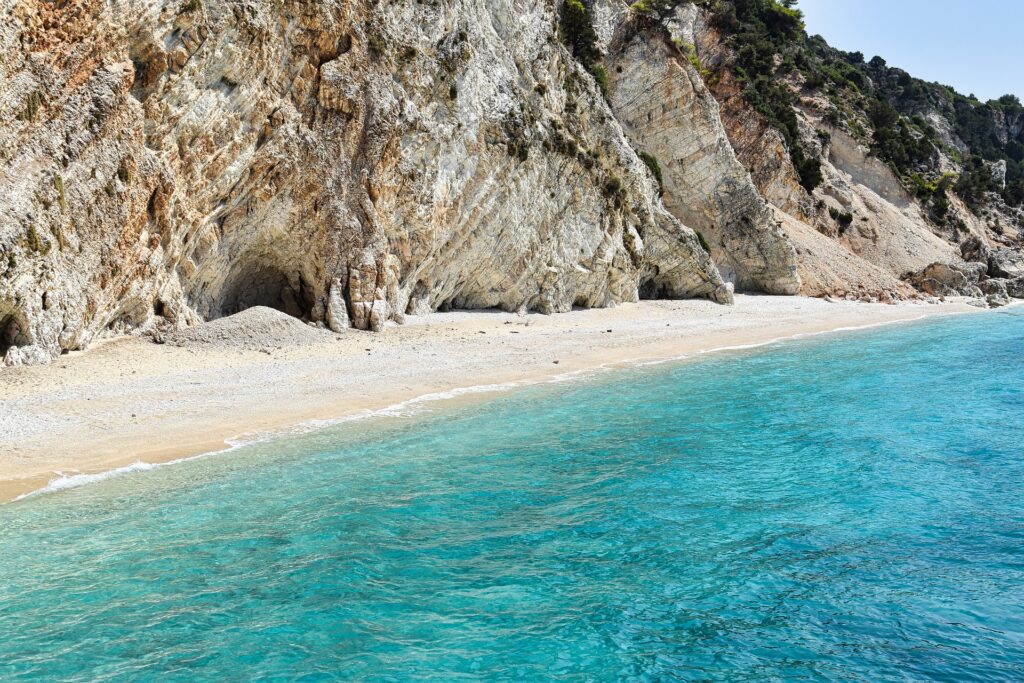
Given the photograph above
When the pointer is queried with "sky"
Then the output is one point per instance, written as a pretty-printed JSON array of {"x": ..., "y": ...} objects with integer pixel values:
[{"x": 976, "y": 46}]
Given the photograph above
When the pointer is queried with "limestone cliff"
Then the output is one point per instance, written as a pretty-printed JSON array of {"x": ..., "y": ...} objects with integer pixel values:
[
  {"x": 349, "y": 162},
  {"x": 344, "y": 161},
  {"x": 874, "y": 174},
  {"x": 667, "y": 111}
]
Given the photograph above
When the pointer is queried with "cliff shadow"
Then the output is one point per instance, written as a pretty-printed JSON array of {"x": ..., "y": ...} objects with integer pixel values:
[
  {"x": 13, "y": 329},
  {"x": 254, "y": 282}
]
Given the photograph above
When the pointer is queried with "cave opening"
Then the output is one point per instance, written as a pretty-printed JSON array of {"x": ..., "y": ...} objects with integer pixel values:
[
  {"x": 259, "y": 284},
  {"x": 13, "y": 331},
  {"x": 652, "y": 291}
]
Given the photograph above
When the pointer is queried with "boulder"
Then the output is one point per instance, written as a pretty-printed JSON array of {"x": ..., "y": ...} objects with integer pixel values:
[
  {"x": 994, "y": 286},
  {"x": 973, "y": 271},
  {"x": 940, "y": 279},
  {"x": 974, "y": 249},
  {"x": 26, "y": 355},
  {"x": 995, "y": 292},
  {"x": 1006, "y": 263},
  {"x": 1015, "y": 288},
  {"x": 997, "y": 301},
  {"x": 724, "y": 293}
]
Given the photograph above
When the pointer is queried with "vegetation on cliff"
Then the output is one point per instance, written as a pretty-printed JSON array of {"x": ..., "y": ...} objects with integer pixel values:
[
  {"x": 579, "y": 34},
  {"x": 902, "y": 112},
  {"x": 776, "y": 63},
  {"x": 896, "y": 115}
]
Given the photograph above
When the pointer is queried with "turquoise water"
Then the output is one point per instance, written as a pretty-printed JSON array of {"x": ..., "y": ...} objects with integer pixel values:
[{"x": 843, "y": 508}]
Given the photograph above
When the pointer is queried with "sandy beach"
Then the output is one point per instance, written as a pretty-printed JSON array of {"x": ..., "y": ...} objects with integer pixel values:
[{"x": 128, "y": 399}]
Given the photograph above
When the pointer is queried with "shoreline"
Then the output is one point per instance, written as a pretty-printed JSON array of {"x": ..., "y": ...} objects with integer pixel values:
[{"x": 125, "y": 403}]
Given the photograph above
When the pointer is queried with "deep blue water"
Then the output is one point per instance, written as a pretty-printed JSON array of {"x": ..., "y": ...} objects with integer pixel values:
[{"x": 843, "y": 508}]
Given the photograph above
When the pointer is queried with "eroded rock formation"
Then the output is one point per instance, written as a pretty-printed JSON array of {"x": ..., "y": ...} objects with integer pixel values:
[
  {"x": 667, "y": 112},
  {"x": 350, "y": 162},
  {"x": 169, "y": 162}
]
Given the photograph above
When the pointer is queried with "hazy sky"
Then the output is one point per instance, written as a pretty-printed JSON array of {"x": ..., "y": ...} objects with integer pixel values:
[{"x": 976, "y": 46}]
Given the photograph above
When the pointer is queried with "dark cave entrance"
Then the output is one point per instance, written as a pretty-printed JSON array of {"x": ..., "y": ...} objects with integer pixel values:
[
  {"x": 651, "y": 290},
  {"x": 13, "y": 331},
  {"x": 259, "y": 284}
]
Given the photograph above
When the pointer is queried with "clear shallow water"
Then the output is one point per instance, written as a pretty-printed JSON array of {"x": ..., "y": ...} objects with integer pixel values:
[{"x": 844, "y": 508}]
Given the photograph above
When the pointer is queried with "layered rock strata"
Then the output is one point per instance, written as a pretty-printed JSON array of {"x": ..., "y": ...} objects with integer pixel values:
[
  {"x": 350, "y": 162},
  {"x": 166, "y": 163}
]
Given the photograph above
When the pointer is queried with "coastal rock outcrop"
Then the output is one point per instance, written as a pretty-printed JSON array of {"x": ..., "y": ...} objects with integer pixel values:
[
  {"x": 351, "y": 162},
  {"x": 670, "y": 115},
  {"x": 970, "y": 279},
  {"x": 1006, "y": 263},
  {"x": 940, "y": 279},
  {"x": 342, "y": 161}
]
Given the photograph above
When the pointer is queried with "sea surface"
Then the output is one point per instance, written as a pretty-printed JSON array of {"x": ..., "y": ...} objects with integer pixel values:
[{"x": 844, "y": 508}]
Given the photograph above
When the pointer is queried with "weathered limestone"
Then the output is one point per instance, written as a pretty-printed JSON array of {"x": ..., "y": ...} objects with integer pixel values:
[
  {"x": 351, "y": 162},
  {"x": 337, "y": 310},
  {"x": 343, "y": 161},
  {"x": 974, "y": 249},
  {"x": 667, "y": 112},
  {"x": 1006, "y": 263},
  {"x": 940, "y": 279},
  {"x": 967, "y": 279}
]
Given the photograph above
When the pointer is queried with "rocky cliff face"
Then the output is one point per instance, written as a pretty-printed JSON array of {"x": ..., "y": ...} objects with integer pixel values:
[
  {"x": 352, "y": 161},
  {"x": 667, "y": 112},
  {"x": 346, "y": 162}
]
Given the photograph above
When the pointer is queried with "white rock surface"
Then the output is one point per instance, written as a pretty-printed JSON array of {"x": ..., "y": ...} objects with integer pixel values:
[{"x": 184, "y": 161}]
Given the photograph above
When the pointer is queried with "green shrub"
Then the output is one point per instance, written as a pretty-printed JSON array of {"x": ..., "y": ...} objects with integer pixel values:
[
  {"x": 975, "y": 180},
  {"x": 601, "y": 77},
  {"x": 654, "y": 8},
  {"x": 808, "y": 168},
  {"x": 703, "y": 242},
  {"x": 655, "y": 168},
  {"x": 377, "y": 45},
  {"x": 612, "y": 187},
  {"x": 690, "y": 53},
  {"x": 578, "y": 32},
  {"x": 843, "y": 218},
  {"x": 35, "y": 242},
  {"x": 32, "y": 105}
]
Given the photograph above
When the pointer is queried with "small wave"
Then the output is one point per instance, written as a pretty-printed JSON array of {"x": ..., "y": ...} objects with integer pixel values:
[
  {"x": 63, "y": 482},
  {"x": 70, "y": 481}
]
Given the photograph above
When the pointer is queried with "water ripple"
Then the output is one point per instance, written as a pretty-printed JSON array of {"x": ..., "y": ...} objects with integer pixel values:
[{"x": 825, "y": 510}]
